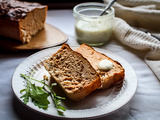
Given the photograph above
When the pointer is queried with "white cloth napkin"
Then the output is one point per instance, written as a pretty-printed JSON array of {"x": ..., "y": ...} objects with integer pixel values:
[
  {"x": 147, "y": 16},
  {"x": 139, "y": 13}
]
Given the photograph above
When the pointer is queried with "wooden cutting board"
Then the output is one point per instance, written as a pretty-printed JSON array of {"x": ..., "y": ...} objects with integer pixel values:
[{"x": 48, "y": 37}]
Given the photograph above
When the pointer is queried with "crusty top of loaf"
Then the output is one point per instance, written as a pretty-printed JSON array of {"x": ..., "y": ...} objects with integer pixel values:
[{"x": 16, "y": 10}]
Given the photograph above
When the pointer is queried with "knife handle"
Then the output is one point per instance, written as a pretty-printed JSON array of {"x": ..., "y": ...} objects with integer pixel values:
[
  {"x": 155, "y": 37},
  {"x": 152, "y": 35}
]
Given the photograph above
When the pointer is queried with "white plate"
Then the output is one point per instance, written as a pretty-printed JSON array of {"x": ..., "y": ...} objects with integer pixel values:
[{"x": 96, "y": 104}]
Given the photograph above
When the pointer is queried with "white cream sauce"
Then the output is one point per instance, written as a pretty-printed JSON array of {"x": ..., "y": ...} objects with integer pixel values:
[{"x": 105, "y": 65}]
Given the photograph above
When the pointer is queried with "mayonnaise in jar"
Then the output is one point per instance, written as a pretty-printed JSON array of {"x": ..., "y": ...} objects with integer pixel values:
[{"x": 90, "y": 27}]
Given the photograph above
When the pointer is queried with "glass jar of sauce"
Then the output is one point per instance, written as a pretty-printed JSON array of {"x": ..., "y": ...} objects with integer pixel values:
[{"x": 90, "y": 27}]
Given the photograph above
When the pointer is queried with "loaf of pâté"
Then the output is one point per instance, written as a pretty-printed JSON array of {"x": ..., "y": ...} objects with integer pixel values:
[
  {"x": 21, "y": 20},
  {"x": 73, "y": 73},
  {"x": 108, "y": 78}
]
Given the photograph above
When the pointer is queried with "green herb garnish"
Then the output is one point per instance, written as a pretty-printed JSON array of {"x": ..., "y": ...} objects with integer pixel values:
[{"x": 39, "y": 94}]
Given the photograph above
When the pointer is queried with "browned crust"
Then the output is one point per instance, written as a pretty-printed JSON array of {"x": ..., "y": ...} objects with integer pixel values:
[
  {"x": 16, "y": 10},
  {"x": 101, "y": 53}
]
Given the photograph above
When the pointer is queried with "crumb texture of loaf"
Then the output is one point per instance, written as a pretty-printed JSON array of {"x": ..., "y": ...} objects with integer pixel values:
[
  {"x": 21, "y": 20},
  {"x": 108, "y": 78},
  {"x": 73, "y": 73}
]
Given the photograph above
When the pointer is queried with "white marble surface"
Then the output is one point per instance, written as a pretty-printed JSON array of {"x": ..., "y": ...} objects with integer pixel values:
[{"x": 145, "y": 105}]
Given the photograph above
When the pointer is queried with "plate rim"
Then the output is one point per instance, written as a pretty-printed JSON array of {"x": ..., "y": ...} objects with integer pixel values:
[{"x": 93, "y": 116}]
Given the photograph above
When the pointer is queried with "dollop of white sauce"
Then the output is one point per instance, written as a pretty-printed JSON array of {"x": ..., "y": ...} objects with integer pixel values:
[{"x": 105, "y": 65}]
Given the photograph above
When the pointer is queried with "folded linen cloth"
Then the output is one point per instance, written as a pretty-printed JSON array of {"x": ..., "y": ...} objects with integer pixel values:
[
  {"x": 139, "y": 13},
  {"x": 140, "y": 41},
  {"x": 122, "y": 31}
]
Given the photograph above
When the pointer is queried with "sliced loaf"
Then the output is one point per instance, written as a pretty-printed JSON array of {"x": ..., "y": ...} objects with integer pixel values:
[
  {"x": 108, "y": 78},
  {"x": 73, "y": 73}
]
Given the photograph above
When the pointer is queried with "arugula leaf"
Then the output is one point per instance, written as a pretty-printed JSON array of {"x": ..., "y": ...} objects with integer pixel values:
[
  {"x": 36, "y": 93},
  {"x": 25, "y": 97},
  {"x": 39, "y": 94},
  {"x": 27, "y": 94},
  {"x": 39, "y": 97}
]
